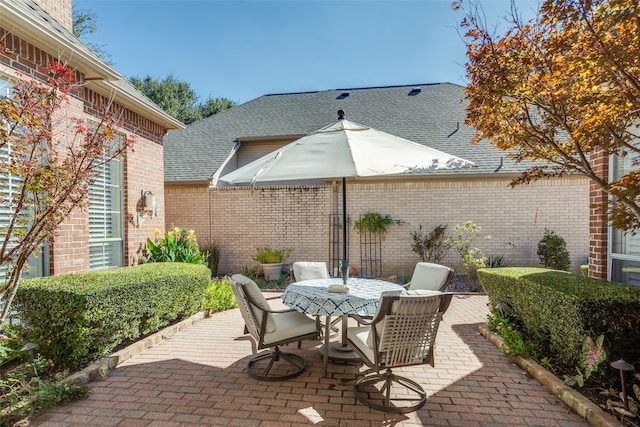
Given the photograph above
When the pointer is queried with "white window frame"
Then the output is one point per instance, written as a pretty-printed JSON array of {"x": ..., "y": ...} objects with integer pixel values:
[
  {"x": 614, "y": 259},
  {"x": 106, "y": 215}
]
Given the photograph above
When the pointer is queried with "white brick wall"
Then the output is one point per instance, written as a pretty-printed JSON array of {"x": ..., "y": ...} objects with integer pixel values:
[{"x": 297, "y": 218}]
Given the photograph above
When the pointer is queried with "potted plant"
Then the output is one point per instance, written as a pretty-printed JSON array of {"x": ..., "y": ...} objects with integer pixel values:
[
  {"x": 373, "y": 222},
  {"x": 271, "y": 261}
]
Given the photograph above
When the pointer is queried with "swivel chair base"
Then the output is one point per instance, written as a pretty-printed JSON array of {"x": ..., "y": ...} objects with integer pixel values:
[
  {"x": 292, "y": 366},
  {"x": 408, "y": 399}
]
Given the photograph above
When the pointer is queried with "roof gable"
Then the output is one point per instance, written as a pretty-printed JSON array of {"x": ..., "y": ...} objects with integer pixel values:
[{"x": 430, "y": 114}]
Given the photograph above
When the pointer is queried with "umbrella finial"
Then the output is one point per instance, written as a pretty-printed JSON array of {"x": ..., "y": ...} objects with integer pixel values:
[{"x": 340, "y": 115}]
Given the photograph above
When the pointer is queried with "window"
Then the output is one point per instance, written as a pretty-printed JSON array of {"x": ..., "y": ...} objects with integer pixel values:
[
  {"x": 106, "y": 240},
  {"x": 38, "y": 264},
  {"x": 624, "y": 248}
]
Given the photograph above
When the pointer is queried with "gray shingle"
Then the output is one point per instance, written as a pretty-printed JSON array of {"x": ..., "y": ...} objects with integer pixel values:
[{"x": 433, "y": 117}]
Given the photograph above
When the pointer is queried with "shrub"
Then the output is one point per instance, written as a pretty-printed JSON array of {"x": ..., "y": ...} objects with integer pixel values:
[
  {"x": 552, "y": 251},
  {"x": 471, "y": 258},
  {"x": 178, "y": 245},
  {"x": 497, "y": 261},
  {"x": 78, "y": 318},
  {"x": 211, "y": 252},
  {"x": 558, "y": 310},
  {"x": 513, "y": 343},
  {"x": 431, "y": 246},
  {"x": 219, "y": 296},
  {"x": 584, "y": 269}
]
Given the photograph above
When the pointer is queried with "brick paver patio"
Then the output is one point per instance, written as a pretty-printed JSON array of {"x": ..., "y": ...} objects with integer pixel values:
[{"x": 197, "y": 378}]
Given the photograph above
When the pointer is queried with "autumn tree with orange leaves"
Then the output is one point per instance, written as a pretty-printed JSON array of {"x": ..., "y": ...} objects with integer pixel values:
[
  {"x": 558, "y": 87},
  {"x": 47, "y": 161}
]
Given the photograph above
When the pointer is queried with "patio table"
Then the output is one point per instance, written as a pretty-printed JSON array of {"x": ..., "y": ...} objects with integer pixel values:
[{"x": 312, "y": 297}]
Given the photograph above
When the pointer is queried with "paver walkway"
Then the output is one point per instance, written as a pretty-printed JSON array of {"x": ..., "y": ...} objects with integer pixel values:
[{"x": 197, "y": 378}]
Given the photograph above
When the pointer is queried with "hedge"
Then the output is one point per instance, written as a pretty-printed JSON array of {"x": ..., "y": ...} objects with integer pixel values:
[
  {"x": 559, "y": 310},
  {"x": 78, "y": 318}
]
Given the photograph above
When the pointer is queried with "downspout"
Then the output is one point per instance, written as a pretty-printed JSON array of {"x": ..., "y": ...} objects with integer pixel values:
[{"x": 214, "y": 183}]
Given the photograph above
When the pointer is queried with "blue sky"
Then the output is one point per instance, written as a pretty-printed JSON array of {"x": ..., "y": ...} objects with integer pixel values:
[{"x": 244, "y": 49}]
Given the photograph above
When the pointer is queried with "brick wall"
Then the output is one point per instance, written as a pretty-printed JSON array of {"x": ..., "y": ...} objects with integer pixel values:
[
  {"x": 144, "y": 171},
  {"x": 60, "y": 10},
  {"x": 69, "y": 250},
  {"x": 297, "y": 218}
]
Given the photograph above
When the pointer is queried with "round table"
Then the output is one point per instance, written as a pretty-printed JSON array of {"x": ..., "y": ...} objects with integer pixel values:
[{"x": 312, "y": 297}]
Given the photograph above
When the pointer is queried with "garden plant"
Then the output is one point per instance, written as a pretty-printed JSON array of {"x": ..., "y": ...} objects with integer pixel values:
[
  {"x": 552, "y": 251},
  {"x": 178, "y": 245},
  {"x": 431, "y": 246}
]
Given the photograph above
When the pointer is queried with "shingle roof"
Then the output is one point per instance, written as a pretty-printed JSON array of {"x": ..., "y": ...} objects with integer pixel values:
[{"x": 430, "y": 114}]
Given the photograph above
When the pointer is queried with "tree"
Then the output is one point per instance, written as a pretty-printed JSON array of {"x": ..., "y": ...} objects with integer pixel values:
[
  {"x": 215, "y": 105},
  {"x": 175, "y": 97},
  {"x": 178, "y": 100},
  {"x": 558, "y": 88},
  {"x": 49, "y": 159},
  {"x": 84, "y": 25}
]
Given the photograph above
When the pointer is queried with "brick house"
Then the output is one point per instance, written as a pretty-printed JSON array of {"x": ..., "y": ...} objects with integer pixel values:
[
  {"x": 298, "y": 217},
  {"x": 112, "y": 230}
]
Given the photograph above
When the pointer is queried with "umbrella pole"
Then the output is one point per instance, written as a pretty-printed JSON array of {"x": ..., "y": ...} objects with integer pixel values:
[{"x": 344, "y": 267}]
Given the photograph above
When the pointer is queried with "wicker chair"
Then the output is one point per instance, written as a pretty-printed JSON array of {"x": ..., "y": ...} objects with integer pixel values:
[
  {"x": 306, "y": 270},
  {"x": 402, "y": 333},
  {"x": 429, "y": 276},
  {"x": 271, "y": 329}
]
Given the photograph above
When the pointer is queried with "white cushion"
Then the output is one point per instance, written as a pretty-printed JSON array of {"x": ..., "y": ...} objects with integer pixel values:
[
  {"x": 380, "y": 324},
  {"x": 429, "y": 276},
  {"x": 421, "y": 292},
  {"x": 288, "y": 325},
  {"x": 310, "y": 270},
  {"x": 360, "y": 337},
  {"x": 255, "y": 295}
]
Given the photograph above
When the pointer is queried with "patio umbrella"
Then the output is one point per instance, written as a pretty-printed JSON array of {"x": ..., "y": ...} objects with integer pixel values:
[{"x": 343, "y": 150}]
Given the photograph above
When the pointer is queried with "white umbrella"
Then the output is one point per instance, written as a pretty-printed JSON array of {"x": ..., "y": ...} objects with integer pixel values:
[{"x": 344, "y": 150}]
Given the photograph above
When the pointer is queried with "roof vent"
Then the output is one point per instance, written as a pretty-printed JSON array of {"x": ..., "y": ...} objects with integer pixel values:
[
  {"x": 340, "y": 115},
  {"x": 343, "y": 95},
  {"x": 415, "y": 91}
]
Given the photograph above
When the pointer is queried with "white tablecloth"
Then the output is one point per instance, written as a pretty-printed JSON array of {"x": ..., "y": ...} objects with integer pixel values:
[{"x": 312, "y": 297}]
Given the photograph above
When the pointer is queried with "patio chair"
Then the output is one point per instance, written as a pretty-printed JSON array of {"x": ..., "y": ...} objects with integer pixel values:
[
  {"x": 304, "y": 270},
  {"x": 402, "y": 333},
  {"x": 429, "y": 276},
  {"x": 307, "y": 270},
  {"x": 271, "y": 329}
]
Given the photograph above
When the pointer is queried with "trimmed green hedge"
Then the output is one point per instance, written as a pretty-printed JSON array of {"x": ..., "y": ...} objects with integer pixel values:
[
  {"x": 78, "y": 318},
  {"x": 559, "y": 310}
]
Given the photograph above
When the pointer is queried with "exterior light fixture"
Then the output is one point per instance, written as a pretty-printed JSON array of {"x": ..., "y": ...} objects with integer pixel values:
[
  {"x": 623, "y": 367},
  {"x": 501, "y": 306},
  {"x": 148, "y": 201}
]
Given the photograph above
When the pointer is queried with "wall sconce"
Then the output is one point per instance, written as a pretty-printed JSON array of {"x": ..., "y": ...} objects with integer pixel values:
[{"x": 148, "y": 201}]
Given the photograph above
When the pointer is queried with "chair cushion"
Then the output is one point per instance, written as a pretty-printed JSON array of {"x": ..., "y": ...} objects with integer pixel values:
[
  {"x": 380, "y": 325},
  {"x": 421, "y": 292},
  {"x": 360, "y": 337},
  {"x": 290, "y": 325},
  {"x": 429, "y": 276},
  {"x": 255, "y": 295},
  {"x": 310, "y": 270}
]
